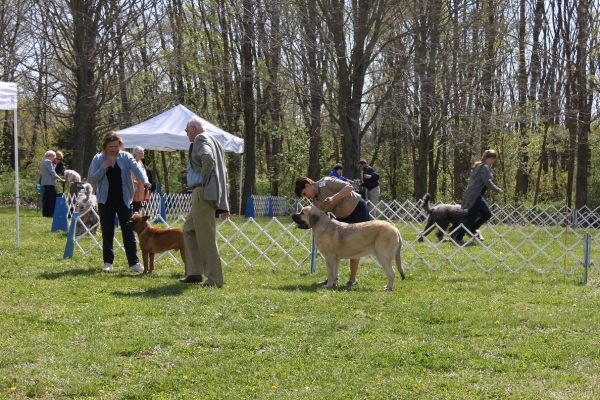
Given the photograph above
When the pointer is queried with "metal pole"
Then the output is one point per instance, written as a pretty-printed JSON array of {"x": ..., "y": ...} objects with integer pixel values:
[
  {"x": 17, "y": 198},
  {"x": 587, "y": 249}
]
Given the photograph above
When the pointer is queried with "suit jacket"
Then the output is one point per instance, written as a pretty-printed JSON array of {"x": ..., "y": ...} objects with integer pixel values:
[
  {"x": 480, "y": 178},
  {"x": 208, "y": 158}
]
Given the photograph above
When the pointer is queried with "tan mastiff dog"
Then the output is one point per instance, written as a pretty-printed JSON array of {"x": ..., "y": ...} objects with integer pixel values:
[
  {"x": 153, "y": 240},
  {"x": 337, "y": 240}
]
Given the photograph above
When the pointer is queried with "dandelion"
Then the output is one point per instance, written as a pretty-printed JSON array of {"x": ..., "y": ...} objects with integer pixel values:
[
  {"x": 271, "y": 315},
  {"x": 497, "y": 322},
  {"x": 273, "y": 387}
]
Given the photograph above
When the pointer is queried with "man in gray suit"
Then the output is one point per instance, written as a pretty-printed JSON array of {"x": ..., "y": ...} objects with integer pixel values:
[{"x": 207, "y": 175}]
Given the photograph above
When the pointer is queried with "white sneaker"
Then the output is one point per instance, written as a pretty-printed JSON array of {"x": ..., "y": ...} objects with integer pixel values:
[
  {"x": 107, "y": 267},
  {"x": 137, "y": 268}
]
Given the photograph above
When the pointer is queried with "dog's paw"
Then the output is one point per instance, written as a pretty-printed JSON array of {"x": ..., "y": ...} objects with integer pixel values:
[{"x": 386, "y": 288}]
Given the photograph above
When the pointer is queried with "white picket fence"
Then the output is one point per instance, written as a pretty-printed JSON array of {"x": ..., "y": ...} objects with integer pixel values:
[{"x": 543, "y": 239}]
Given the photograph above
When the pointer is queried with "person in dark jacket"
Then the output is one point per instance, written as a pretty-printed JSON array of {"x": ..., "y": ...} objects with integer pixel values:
[
  {"x": 478, "y": 209},
  {"x": 370, "y": 182}
]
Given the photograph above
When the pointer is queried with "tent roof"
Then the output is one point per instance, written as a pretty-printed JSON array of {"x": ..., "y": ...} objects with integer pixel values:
[{"x": 166, "y": 132}]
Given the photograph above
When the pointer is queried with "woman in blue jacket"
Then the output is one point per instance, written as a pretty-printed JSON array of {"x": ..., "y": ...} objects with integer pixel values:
[{"x": 111, "y": 170}]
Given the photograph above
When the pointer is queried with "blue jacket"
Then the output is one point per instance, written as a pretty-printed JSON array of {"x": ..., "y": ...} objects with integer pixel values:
[
  {"x": 335, "y": 174},
  {"x": 128, "y": 166}
]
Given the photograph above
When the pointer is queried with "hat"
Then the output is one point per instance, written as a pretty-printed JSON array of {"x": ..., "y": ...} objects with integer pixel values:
[{"x": 138, "y": 149}]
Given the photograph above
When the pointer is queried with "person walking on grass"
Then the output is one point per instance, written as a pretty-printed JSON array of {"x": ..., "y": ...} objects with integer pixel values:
[{"x": 480, "y": 180}]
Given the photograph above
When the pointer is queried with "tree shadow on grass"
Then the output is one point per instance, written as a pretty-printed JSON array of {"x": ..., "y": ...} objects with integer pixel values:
[
  {"x": 70, "y": 272},
  {"x": 317, "y": 287},
  {"x": 174, "y": 289}
]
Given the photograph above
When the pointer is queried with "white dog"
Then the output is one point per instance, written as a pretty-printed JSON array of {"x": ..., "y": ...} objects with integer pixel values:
[{"x": 87, "y": 207}]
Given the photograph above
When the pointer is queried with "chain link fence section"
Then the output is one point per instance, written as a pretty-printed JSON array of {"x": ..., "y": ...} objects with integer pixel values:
[{"x": 541, "y": 238}]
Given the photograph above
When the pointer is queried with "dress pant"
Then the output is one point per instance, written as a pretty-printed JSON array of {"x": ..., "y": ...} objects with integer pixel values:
[
  {"x": 477, "y": 215},
  {"x": 373, "y": 197},
  {"x": 48, "y": 200},
  {"x": 107, "y": 223},
  {"x": 200, "y": 234}
]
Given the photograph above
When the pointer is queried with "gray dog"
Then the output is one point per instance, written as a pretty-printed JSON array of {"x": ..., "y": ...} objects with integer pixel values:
[{"x": 442, "y": 215}]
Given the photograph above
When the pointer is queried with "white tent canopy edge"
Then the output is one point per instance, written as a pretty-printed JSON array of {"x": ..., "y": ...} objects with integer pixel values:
[{"x": 8, "y": 101}]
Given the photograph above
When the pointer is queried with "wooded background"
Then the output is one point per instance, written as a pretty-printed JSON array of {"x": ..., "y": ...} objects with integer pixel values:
[{"x": 418, "y": 88}]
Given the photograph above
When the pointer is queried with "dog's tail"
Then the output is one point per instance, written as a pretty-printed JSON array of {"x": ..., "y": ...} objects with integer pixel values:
[
  {"x": 425, "y": 202},
  {"x": 398, "y": 258}
]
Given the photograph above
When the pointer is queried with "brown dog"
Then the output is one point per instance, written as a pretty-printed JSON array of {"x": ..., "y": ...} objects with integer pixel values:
[{"x": 154, "y": 240}]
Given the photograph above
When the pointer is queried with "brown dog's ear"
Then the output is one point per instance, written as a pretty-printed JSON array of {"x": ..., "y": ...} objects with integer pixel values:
[{"x": 145, "y": 218}]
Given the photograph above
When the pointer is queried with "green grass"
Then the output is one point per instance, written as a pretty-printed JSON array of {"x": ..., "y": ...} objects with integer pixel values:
[{"x": 67, "y": 330}]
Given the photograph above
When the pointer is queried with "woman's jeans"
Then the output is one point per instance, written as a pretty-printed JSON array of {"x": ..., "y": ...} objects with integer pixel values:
[
  {"x": 107, "y": 223},
  {"x": 478, "y": 215}
]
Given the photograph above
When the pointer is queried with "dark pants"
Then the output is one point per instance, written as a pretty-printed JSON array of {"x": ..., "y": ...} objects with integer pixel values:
[
  {"x": 107, "y": 223},
  {"x": 48, "y": 200},
  {"x": 478, "y": 215},
  {"x": 359, "y": 214}
]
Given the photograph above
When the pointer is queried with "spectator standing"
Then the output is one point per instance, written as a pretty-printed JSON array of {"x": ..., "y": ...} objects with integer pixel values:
[
  {"x": 480, "y": 180},
  {"x": 337, "y": 172},
  {"x": 59, "y": 166},
  {"x": 111, "y": 170},
  {"x": 140, "y": 190},
  {"x": 370, "y": 183},
  {"x": 48, "y": 178},
  {"x": 207, "y": 176}
]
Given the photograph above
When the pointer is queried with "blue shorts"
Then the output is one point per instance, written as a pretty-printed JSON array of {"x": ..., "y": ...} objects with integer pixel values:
[{"x": 360, "y": 214}]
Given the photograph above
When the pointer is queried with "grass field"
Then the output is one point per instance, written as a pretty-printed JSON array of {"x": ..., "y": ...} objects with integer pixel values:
[{"x": 68, "y": 330}]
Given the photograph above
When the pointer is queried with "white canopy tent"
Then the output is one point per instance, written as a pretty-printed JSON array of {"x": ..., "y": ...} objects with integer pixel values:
[
  {"x": 166, "y": 132},
  {"x": 8, "y": 101}
]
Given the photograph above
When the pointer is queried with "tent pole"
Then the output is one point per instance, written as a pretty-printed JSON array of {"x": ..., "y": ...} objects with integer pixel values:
[
  {"x": 17, "y": 198},
  {"x": 241, "y": 174}
]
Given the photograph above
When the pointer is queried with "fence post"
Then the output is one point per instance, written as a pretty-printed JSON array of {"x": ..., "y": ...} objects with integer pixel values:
[
  {"x": 269, "y": 211},
  {"x": 59, "y": 221},
  {"x": 587, "y": 250},
  {"x": 249, "y": 208},
  {"x": 313, "y": 261},
  {"x": 71, "y": 237},
  {"x": 163, "y": 207}
]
